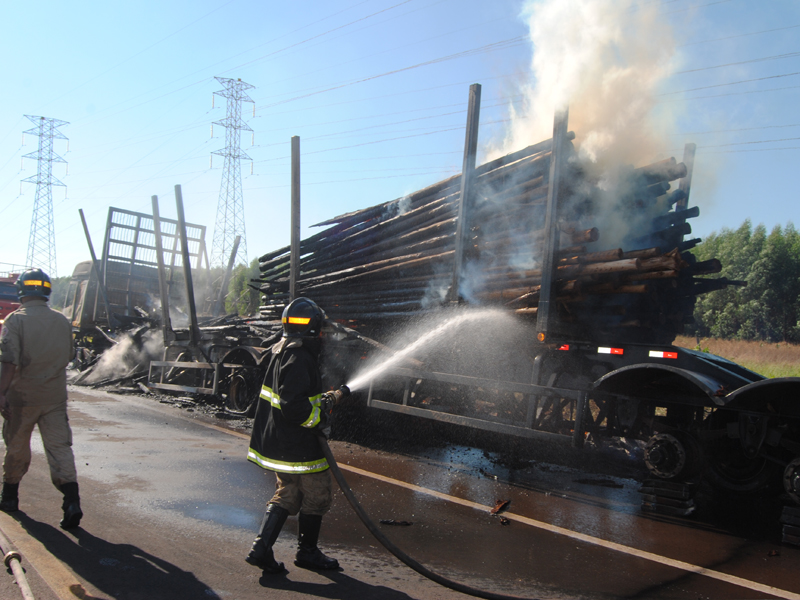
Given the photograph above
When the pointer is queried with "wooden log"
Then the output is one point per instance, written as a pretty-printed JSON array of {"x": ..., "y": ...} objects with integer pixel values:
[
  {"x": 688, "y": 244},
  {"x": 651, "y": 275},
  {"x": 603, "y": 256},
  {"x": 646, "y": 253},
  {"x": 410, "y": 221},
  {"x": 674, "y": 217},
  {"x": 704, "y": 286},
  {"x": 578, "y": 250},
  {"x": 670, "y": 235},
  {"x": 585, "y": 236},
  {"x": 671, "y": 261},
  {"x": 610, "y": 288},
  {"x": 511, "y": 207},
  {"x": 706, "y": 267},
  {"x": 664, "y": 170},
  {"x": 498, "y": 165},
  {"x": 387, "y": 271},
  {"x": 616, "y": 266}
]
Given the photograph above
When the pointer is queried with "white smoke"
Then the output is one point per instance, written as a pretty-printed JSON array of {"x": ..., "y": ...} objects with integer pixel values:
[
  {"x": 606, "y": 60},
  {"x": 127, "y": 354}
]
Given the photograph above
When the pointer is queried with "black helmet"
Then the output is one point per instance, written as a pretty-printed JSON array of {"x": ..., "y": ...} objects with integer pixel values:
[
  {"x": 302, "y": 318},
  {"x": 34, "y": 282}
]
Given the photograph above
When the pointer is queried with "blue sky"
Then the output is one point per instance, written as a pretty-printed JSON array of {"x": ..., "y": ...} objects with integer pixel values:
[{"x": 377, "y": 91}]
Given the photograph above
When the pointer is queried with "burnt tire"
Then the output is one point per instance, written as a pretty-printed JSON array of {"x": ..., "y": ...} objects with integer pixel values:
[
  {"x": 241, "y": 385},
  {"x": 727, "y": 466}
]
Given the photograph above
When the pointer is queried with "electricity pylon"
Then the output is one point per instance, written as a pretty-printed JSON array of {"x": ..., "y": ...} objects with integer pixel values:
[
  {"x": 230, "y": 208},
  {"x": 42, "y": 241}
]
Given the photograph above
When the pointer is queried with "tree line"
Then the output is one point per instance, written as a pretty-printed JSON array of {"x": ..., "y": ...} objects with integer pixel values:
[{"x": 768, "y": 307}]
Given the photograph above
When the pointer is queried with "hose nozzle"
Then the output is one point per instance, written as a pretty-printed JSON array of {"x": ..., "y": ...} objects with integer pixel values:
[{"x": 342, "y": 392}]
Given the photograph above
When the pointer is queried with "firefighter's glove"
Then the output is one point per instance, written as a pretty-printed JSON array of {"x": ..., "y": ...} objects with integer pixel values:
[{"x": 327, "y": 402}]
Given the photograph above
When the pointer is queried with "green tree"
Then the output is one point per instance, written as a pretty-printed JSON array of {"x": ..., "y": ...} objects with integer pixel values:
[
  {"x": 242, "y": 299},
  {"x": 768, "y": 307},
  {"x": 58, "y": 292}
]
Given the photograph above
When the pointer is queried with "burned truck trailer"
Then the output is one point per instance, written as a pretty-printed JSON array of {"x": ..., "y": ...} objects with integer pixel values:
[
  {"x": 122, "y": 286},
  {"x": 597, "y": 272}
]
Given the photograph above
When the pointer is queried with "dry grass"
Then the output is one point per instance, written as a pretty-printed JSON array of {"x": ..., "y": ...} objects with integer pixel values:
[{"x": 771, "y": 360}]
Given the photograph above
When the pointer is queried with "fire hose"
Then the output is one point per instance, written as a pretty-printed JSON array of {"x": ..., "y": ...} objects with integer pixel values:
[
  {"x": 386, "y": 542},
  {"x": 11, "y": 559}
]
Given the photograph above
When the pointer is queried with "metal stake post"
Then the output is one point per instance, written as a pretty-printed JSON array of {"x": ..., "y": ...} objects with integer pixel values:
[
  {"x": 95, "y": 267},
  {"x": 294, "y": 253},
  {"x": 551, "y": 224},
  {"x": 166, "y": 323},
  {"x": 187, "y": 267},
  {"x": 467, "y": 175},
  {"x": 223, "y": 290}
]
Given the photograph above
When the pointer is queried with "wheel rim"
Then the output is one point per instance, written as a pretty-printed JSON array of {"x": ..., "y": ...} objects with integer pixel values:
[
  {"x": 729, "y": 467},
  {"x": 242, "y": 388},
  {"x": 238, "y": 394}
]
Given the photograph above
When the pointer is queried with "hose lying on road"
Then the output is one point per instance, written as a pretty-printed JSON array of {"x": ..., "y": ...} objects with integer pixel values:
[
  {"x": 402, "y": 556},
  {"x": 11, "y": 559}
]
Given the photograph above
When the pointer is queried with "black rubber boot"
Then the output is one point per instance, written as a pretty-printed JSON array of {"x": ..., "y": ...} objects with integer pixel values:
[
  {"x": 10, "y": 499},
  {"x": 261, "y": 552},
  {"x": 308, "y": 555},
  {"x": 71, "y": 506}
]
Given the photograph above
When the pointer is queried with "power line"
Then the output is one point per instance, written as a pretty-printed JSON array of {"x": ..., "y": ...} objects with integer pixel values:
[
  {"x": 707, "y": 87},
  {"x": 119, "y": 64},
  {"x": 675, "y": 12},
  {"x": 743, "y": 62},
  {"x": 209, "y": 67},
  {"x": 752, "y": 142},
  {"x": 739, "y": 129},
  {"x": 755, "y": 150},
  {"x": 791, "y": 87},
  {"x": 503, "y": 44},
  {"x": 305, "y": 41},
  {"x": 741, "y": 35}
]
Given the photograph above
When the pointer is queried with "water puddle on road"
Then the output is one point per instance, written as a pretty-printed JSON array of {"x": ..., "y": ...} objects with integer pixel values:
[{"x": 221, "y": 514}]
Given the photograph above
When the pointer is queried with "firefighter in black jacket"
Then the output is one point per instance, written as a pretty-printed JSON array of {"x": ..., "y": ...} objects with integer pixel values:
[{"x": 291, "y": 414}]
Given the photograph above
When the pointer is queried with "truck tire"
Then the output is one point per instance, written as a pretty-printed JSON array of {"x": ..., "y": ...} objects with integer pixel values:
[
  {"x": 727, "y": 466},
  {"x": 242, "y": 386}
]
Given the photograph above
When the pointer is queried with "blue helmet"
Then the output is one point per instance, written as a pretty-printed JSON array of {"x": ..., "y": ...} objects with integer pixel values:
[{"x": 34, "y": 282}]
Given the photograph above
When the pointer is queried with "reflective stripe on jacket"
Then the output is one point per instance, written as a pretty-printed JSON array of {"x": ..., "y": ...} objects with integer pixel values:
[
  {"x": 286, "y": 467},
  {"x": 285, "y": 435},
  {"x": 275, "y": 400}
]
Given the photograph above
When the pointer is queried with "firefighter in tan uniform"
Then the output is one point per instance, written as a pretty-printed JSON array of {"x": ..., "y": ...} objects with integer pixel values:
[{"x": 35, "y": 348}]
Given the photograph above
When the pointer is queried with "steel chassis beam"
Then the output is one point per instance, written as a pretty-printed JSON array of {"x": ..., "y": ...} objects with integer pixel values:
[{"x": 532, "y": 390}]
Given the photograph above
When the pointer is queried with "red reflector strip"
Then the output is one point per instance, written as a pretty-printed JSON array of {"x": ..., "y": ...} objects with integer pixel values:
[
  {"x": 659, "y": 354},
  {"x": 564, "y": 347},
  {"x": 610, "y": 351}
]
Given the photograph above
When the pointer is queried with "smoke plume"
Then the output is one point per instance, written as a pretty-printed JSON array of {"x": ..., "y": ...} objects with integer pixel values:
[
  {"x": 605, "y": 59},
  {"x": 128, "y": 353}
]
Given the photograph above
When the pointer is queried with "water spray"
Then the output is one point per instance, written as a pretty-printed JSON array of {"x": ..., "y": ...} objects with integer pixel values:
[{"x": 362, "y": 380}]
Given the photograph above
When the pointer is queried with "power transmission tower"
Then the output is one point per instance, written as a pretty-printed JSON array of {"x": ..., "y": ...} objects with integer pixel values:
[
  {"x": 42, "y": 241},
  {"x": 230, "y": 208}
]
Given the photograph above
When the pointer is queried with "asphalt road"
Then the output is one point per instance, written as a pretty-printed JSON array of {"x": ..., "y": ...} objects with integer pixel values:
[{"x": 171, "y": 507}]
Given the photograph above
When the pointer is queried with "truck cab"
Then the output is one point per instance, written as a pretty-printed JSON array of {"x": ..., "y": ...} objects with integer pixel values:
[{"x": 8, "y": 297}]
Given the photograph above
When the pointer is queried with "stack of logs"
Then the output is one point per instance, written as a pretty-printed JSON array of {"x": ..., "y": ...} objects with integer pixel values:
[{"x": 395, "y": 260}]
